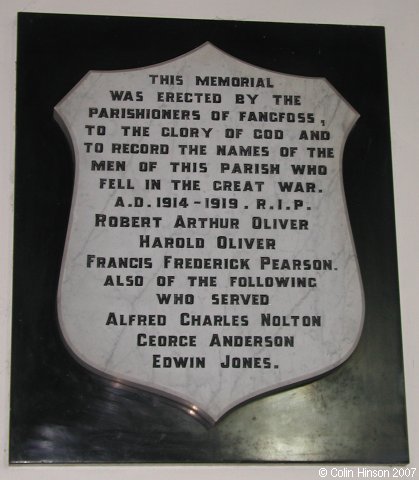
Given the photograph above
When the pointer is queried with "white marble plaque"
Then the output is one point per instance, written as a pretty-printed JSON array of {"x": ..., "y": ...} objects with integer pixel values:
[{"x": 209, "y": 255}]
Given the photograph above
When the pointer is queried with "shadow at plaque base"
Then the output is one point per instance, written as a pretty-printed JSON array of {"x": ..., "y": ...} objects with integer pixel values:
[{"x": 121, "y": 423}]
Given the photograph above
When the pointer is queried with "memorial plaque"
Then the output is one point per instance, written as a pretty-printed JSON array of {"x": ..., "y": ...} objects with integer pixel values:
[
  {"x": 209, "y": 253},
  {"x": 205, "y": 260}
]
